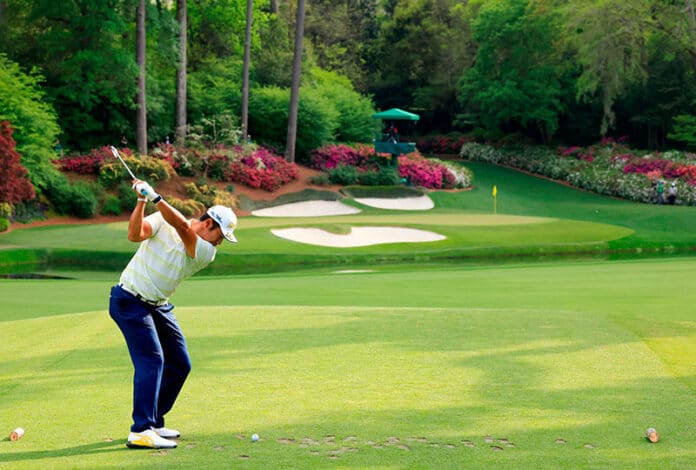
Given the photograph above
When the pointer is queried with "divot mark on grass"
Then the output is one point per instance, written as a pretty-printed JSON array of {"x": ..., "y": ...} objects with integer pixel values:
[
  {"x": 589, "y": 446},
  {"x": 487, "y": 439},
  {"x": 350, "y": 439},
  {"x": 308, "y": 441},
  {"x": 560, "y": 440},
  {"x": 450, "y": 446},
  {"x": 468, "y": 443},
  {"x": 190, "y": 446},
  {"x": 159, "y": 452},
  {"x": 497, "y": 448},
  {"x": 244, "y": 457},
  {"x": 108, "y": 439},
  {"x": 241, "y": 437},
  {"x": 285, "y": 440},
  {"x": 219, "y": 448}
]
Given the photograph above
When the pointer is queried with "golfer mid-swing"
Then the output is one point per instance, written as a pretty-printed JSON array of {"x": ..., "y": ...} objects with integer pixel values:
[{"x": 172, "y": 248}]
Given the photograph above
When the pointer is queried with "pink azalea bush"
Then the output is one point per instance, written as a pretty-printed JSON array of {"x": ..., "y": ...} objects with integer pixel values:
[
  {"x": 262, "y": 169},
  {"x": 361, "y": 156},
  {"x": 425, "y": 173}
]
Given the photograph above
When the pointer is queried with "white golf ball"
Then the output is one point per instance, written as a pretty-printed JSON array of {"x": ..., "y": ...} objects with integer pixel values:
[{"x": 254, "y": 437}]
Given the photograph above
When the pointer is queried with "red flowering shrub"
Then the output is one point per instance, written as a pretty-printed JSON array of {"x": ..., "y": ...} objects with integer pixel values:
[
  {"x": 15, "y": 186},
  {"x": 665, "y": 168},
  {"x": 576, "y": 152},
  {"x": 422, "y": 172},
  {"x": 262, "y": 169},
  {"x": 442, "y": 144},
  {"x": 89, "y": 164}
]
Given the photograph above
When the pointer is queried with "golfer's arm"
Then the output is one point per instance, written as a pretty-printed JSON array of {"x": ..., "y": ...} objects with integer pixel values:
[
  {"x": 181, "y": 224},
  {"x": 138, "y": 229}
]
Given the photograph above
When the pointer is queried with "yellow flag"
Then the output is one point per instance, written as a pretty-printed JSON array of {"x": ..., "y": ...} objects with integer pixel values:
[{"x": 495, "y": 190}]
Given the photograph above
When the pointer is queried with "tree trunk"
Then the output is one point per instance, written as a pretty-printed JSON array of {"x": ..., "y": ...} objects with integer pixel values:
[
  {"x": 274, "y": 7},
  {"x": 245, "y": 80},
  {"x": 141, "y": 117},
  {"x": 3, "y": 17},
  {"x": 181, "y": 73},
  {"x": 295, "y": 90}
]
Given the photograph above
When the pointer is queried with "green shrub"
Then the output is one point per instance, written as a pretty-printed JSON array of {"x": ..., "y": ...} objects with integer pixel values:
[
  {"x": 76, "y": 198},
  {"x": 384, "y": 176},
  {"x": 268, "y": 116},
  {"x": 84, "y": 203},
  {"x": 344, "y": 174},
  {"x": 126, "y": 197},
  {"x": 5, "y": 209},
  {"x": 354, "y": 111},
  {"x": 317, "y": 119},
  {"x": 684, "y": 130},
  {"x": 321, "y": 179},
  {"x": 203, "y": 193},
  {"x": 147, "y": 169},
  {"x": 27, "y": 211},
  {"x": 4, "y": 224},
  {"x": 24, "y": 105},
  {"x": 188, "y": 207},
  {"x": 111, "y": 205}
]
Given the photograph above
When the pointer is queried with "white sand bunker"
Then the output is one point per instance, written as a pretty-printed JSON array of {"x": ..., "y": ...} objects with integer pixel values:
[
  {"x": 359, "y": 236},
  {"x": 307, "y": 209},
  {"x": 419, "y": 203}
]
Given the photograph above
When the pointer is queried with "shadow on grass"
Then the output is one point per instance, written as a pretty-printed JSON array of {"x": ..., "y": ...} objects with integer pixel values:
[{"x": 94, "y": 448}]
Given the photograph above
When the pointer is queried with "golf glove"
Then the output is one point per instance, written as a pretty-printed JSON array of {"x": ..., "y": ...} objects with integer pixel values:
[{"x": 145, "y": 190}]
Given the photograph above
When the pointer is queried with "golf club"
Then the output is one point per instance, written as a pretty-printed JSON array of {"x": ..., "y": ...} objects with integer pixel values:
[{"x": 116, "y": 153}]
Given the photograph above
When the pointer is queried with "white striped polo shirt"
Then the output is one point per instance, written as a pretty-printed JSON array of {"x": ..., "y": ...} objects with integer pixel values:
[{"x": 161, "y": 262}]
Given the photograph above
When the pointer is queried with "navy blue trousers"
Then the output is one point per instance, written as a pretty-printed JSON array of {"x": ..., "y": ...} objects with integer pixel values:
[{"x": 159, "y": 354}]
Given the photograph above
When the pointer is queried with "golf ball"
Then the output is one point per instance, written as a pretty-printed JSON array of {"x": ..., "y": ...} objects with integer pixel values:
[{"x": 254, "y": 437}]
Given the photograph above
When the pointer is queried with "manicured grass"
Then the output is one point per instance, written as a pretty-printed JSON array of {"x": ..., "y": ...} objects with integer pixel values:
[
  {"x": 568, "y": 362},
  {"x": 534, "y": 218},
  {"x": 412, "y": 364}
]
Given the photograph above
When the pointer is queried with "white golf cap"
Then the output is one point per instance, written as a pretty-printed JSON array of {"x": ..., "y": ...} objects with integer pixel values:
[{"x": 226, "y": 219}]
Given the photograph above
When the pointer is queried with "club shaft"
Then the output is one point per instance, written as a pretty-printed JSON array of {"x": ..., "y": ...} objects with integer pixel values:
[{"x": 115, "y": 151}]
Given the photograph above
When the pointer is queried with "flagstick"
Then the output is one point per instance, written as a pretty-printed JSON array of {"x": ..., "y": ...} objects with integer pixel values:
[{"x": 495, "y": 199}]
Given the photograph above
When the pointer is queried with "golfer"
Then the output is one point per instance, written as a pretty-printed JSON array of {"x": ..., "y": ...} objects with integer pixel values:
[{"x": 172, "y": 248}]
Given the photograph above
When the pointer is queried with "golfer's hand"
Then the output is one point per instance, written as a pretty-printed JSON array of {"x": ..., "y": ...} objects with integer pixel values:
[{"x": 145, "y": 190}]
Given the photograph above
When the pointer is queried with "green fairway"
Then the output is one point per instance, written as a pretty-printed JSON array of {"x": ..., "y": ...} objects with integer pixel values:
[{"x": 528, "y": 366}]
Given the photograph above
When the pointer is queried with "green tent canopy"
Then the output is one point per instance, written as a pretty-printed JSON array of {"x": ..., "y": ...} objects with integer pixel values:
[{"x": 396, "y": 114}]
